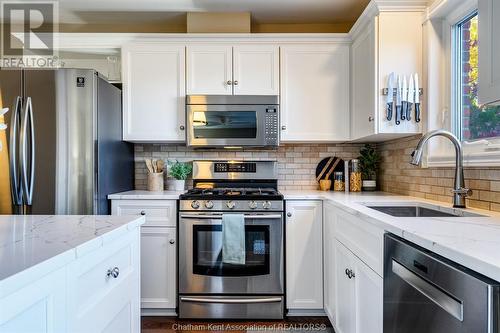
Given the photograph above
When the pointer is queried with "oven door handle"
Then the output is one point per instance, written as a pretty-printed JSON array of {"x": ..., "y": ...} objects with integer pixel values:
[
  {"x": 219, "y": 216},
  {"x": 232, "y": 300}
]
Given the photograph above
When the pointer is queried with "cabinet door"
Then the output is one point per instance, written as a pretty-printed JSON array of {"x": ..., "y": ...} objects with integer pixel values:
[
  {"x": 315, "y": 92},
  {"x": 489, "y": 52},
  {"x": 369, "y": 299},
  {"x": 345, "y": 291},
  {"x": 329, "y": 217},
  {"x": 364, "y": 83},
  {"x": 158, "y": 268},
  {"x": 256, "y": 70},
  {"x": 38, "y": 307},
  {"x": 209, "y": 70},
  {"x": 153, "y": 92},
  {"x": 304, "y": 259}
]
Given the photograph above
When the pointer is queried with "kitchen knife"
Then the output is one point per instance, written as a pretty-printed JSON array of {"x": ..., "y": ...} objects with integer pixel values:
[
  {"x": 411, "y": 98},
  {"x": 404, "y": 99},
  {"x": 398, "y": 101},
  {"x": 417, "y": 99},
  {"x": 390, "y": 96}
]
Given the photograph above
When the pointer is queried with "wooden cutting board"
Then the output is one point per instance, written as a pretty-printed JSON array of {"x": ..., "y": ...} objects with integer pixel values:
[{"x": 327, "y": 166}]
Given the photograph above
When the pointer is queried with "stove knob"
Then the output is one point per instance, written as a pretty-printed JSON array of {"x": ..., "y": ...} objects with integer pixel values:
[
  {"x": 209, "y": 204},
  {"x": 195, "y": 204},
  {"x": 252, "y": 204},
  {"x": 230, "y": 204},
  {"x": 267, "y": 205}
]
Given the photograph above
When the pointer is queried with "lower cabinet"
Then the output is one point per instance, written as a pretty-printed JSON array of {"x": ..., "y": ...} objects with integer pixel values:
[
  {"x": 158, "y": 252},
  {"x": 158, "y": 259},
  {"x": 304, "y": 255},
  {"x": 329, "y": 217},
  {"x": 359, "y": 294}
]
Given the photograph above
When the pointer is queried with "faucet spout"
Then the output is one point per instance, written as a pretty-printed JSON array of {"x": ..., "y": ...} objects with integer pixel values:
[{"x": 459, "y": 191}]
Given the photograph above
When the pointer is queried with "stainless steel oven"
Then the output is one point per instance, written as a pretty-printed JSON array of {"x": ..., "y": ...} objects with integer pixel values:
[{"x": 232, "y": 121}]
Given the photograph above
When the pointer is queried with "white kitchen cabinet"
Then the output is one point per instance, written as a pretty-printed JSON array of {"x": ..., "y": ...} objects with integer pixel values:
[
  {"x": 377, "y": 50},
  {"x": 359, "y": 293},
  {"x": 103, "y": 288},
  {"x": 159, "y": 274},
  {"x": 209, "y": 70},
  {"x": 304, "y": 255},
  {"x": 153, "y": 92},
  {"x": 329, "y": 218},
  {"x": 256, "y": 69},
  {"x": 246, "y": 69},
  {"x": 39, "y": 307},
  {"x": 314, "y": 92},
  {"x": 158, "y": 252},
  {"x": 489, "y": 52}
]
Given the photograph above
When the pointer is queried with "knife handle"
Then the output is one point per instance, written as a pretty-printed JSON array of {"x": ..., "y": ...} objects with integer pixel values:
[
  {"x": 417, "y": 112},
  {"x": 398, "y": 114},
  {"x": 389, "y": 111},
  {"x": 408, "y": 111},
  {"x": 403, "y": 111}
]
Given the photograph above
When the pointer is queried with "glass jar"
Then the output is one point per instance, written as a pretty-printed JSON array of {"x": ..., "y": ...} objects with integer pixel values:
[
  {"x": 338, "y": 181},
  {"x": 355, "y": 177}
]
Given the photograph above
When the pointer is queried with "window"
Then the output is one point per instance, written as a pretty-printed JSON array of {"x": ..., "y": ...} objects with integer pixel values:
[{"x": 472, "y": 122}]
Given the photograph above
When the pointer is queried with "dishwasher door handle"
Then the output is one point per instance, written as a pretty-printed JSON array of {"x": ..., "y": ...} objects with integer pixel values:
[{"x": 448, "y": 303}]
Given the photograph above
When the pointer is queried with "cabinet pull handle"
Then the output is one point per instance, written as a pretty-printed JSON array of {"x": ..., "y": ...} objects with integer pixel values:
[
  {"x": 235, "y": 83},
  {"x": 172, "y": 241},
  {"x": 143, "y": 213},
  {"x": 289, "y": 214},
  {"x": 283, "y": 128},
  {"x": 229, "y": 82},
  {"x": 113, "y": 272},
  {"x": 350, "y": 273},
  {"x": 370, "y": 119},
  {"x": 182, "y": 128}
]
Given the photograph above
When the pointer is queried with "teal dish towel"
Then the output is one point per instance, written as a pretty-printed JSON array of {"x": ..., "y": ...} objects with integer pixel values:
[{"x": 233, "y": 239}]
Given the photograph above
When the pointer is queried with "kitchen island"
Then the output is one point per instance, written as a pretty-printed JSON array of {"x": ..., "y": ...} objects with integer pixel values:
[{"x": 69, "y": 273}]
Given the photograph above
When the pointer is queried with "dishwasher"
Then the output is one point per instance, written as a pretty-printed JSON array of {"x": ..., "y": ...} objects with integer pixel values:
[{"x": 426, "y": 293}]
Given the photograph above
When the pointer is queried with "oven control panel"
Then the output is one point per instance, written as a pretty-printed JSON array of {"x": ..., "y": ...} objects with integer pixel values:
[
  {"x": 272, "y": 126},
  {"x": 235, "y": 167}
]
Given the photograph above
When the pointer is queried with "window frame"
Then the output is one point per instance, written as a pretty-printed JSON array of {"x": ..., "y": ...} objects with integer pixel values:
[{"x": 478, "y": 152}]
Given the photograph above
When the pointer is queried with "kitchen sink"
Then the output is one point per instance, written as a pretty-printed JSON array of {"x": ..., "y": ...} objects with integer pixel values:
[{"x": 418, "y": 210}]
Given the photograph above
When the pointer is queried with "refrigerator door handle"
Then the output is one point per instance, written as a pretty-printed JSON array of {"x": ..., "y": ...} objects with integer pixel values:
[
  {"x": 27, "y": 152},
  {"x": 14, "y": 161}
]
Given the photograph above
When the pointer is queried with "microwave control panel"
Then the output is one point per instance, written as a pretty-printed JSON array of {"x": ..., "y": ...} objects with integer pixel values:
[{"x": 272, "y": 126}]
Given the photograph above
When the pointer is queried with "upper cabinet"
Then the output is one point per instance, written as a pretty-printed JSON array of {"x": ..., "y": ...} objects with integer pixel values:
[
  {"x": 247, "y": 69},
  {"x": 489, "y": 52},
  {"x": 153, "y": 92},
  {"x": 378, "y": 49},
  {"x": 315, "y": 92}
]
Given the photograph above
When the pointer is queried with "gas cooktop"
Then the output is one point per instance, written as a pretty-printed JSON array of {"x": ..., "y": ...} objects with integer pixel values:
[{"x": 232, "y": 193}]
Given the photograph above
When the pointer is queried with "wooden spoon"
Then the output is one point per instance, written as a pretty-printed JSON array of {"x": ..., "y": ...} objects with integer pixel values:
[{"x": 149, "y": 165}]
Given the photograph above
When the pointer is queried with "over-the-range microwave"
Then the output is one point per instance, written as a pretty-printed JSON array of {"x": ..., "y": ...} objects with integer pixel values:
[{"x": 232, "y": 121}]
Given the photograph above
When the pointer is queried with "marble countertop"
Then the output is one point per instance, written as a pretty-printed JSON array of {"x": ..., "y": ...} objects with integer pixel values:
[
  {"x": 29, "y": 240},
  {"x": 147, "y": 195}
]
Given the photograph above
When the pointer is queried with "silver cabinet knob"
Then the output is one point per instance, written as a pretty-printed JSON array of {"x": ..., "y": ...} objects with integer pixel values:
[
  {"x": 283, "y": 128},
  {"x": 229, "y": 82},
  {"x": 370, "y": 119},
  {"x": 113, "y": 272},
  {"x": 209, "y": 204},
  {"x": 235, "y": 83},
  {"x": 350, "y": 273},
  {"x": 182, "y": 128},
  {"x": 230, "y": 204},
  {"x": 289, "y": 214},
  {"x": 143, "y": 213},
  {"x": 172, "y": 241},
  {"x": 195, "y": 204}
]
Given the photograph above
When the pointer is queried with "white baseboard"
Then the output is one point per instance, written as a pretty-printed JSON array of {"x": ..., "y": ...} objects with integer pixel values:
[
  {"x": 159, "y": 312},
  {"x": 306, "y": 313}
]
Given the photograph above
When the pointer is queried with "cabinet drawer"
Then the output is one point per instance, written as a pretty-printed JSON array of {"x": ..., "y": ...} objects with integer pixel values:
[
  {"x": 365, "y": 240},
  {"x": 89, "y": 283},
  {"x": 157, "y": 212}
]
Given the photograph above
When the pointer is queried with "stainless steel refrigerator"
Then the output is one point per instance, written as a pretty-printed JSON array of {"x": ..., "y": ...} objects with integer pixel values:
[{"x": 64, "y": 133}]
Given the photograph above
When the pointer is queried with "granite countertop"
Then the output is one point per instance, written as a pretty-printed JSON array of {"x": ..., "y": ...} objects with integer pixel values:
[{"x": 29, "y": 240}]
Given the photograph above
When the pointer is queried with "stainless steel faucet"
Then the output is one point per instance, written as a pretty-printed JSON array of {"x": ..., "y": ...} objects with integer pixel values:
[{"x": 459, "y": 192}]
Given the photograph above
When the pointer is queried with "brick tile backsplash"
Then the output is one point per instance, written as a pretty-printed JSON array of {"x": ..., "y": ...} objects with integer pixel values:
[
  {"x": 296, "y": 162},
  {"x": 398, "y": 176}
]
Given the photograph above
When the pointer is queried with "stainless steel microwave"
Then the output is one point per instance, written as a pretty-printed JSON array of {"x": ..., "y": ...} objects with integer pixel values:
[{"x": 232, "y": 121}]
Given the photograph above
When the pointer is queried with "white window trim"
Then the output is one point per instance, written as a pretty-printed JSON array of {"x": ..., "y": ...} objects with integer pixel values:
[{"x": 478, "y": 153}]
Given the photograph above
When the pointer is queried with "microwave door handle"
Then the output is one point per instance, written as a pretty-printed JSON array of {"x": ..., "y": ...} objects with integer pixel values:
[
  {"x": 15, "y": 185},
  {"x": 219, "y": 216}
]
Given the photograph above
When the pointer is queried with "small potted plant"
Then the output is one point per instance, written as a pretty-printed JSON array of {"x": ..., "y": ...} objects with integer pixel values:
[
  {"x": 369, "y": 161},
  {"x": 179, "y": 171}
]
